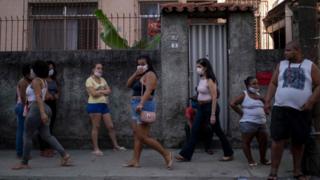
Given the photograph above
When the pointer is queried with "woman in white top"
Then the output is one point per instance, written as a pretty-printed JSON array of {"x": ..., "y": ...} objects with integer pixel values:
[
  {"x": 207, "y": 112},
  {"x": 249, "y": 105},
  {"x": 38, "y": 116}
]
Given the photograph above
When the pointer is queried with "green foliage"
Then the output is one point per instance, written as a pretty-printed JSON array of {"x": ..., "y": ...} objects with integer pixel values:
[{"x": 111, "y": 37}]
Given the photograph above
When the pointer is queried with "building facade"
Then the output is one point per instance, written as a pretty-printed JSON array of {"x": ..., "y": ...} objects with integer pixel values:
[{"x": 71, "y": 24}]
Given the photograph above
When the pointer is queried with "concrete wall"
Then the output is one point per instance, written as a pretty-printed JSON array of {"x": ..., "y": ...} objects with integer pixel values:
[
  {"x": 72, "y": 126},
  {"x": 267, "y": 60},
  {"x": 174, "y": 62},
  {"x": 241, "y": 59}
]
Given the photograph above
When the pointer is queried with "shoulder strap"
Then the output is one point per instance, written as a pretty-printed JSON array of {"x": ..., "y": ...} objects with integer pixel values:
[{"x": 141, "y": 81}]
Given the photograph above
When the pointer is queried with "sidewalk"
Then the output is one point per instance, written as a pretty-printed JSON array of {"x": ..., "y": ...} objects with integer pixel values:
[{"x": 87, "y": 166}]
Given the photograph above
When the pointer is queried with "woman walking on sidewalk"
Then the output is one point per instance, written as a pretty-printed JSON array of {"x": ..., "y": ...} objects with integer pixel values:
[
  {"x": 52, "y": 97},
  {"x": 208, "y": 111},
  {"x": 253, "y": 120},
  {"x": 38, "y": 117},
  {"x": 143, "y": 82},
  {"x": 97, "y": 108}
]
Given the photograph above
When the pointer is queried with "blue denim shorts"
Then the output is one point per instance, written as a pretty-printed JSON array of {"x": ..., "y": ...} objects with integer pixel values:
[
  {"x": 149, "y": 105},
  {"x": 100, "y": 108},
  {"x": 250, "y": 127}
]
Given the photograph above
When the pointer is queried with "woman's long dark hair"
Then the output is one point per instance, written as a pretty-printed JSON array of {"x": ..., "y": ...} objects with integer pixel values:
[
  {"x": 149, "y": 63},
  {"x": 209, "y": 72}
]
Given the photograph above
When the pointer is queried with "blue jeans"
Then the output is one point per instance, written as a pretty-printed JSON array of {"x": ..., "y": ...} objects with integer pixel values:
[
  {"x": 149, "y": 105},
  {"x": 20, "y": 128},
  {"x": 203, "y": 116}
]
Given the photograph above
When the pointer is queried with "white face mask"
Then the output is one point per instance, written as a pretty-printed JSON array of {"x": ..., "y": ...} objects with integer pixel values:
[
  {"x": 253, "y": 90},
  {"x": 97, "y": 73},
  {"x": 144, "y": 68},
  {"x": 32, "y": 74},
  {"x": 199, "y": 71},
  {"x": 51, "y": 72}
]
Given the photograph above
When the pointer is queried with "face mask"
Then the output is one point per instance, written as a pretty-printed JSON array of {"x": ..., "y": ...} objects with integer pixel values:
[
  {"x": 32, "y": 74},
  {"x": 97, "y": 73},
  {"x": 199, "y": 71},
  {"x": 144, "y": 68},
  {"x": 51, "y": 72},
  {"x": 253, "y": 90}
]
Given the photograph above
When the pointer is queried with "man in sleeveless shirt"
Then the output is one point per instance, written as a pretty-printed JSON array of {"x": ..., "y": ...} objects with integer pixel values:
[{"x": 295, "y": 86}]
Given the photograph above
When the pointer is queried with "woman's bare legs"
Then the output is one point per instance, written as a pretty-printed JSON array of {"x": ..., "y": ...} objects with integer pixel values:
[
  {"x": 143, "y": 131},
  {"x": 112, "y": 133},
  {"x": 137, "y": 148},
  {"x": 95, "y": 121}
]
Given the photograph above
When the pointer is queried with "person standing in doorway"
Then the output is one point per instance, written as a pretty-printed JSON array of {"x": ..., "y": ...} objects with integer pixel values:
[
  {"x": 97, "y": 108},
  {"x": 207, "y": 111},
  {"x": 295, "y": 86},
  {"x": 143, "y": 83},
  {"x": 253, "y": 120},
  {"x": 20, "y": 107}
]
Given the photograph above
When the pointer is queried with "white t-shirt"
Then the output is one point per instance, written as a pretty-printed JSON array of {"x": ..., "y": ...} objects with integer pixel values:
[{"x": 294, "y": 84}]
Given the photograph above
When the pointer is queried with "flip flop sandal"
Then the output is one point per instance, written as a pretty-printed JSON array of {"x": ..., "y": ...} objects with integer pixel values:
[
  {"x": 180, "y": 158},
  {"x": 131, "y": 165},
  {"x": 253, "y": 164},
  {"x": 272, "y": 177},
  {"x": 97, "y": 153},
  {"x": 266, "y": 162},
  {"x": 65, "y": 161},
  {"x": 226, "y": 158},
  {"x": 119, "y": 149}
]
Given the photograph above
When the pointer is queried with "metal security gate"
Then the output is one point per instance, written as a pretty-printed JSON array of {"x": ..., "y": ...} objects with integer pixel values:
[{"x": 210, "y": 41}]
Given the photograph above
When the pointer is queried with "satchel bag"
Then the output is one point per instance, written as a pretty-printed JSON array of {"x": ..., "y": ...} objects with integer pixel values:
[{"x": 147, "y": 116}]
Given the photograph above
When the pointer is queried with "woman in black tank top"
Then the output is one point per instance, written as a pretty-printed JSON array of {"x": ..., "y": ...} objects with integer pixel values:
[{"x": 143, "y": 82}]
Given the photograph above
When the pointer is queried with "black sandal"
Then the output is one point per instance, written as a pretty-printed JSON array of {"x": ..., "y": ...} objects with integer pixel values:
[{"x": 272, "y": 177}]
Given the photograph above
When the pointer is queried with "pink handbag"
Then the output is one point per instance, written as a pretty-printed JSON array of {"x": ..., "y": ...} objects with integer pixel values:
[{"x": 148, "y": 117}]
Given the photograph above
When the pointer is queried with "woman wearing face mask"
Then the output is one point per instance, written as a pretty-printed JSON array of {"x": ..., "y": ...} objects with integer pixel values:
[
  {"x": 143, "y": 83},
  {"x": 52, "y": 96},
  {"x": 98, "y": 109},
  {"x": 38, "y": 117},
  {"x": 253, "y": 120},
  {"x": 207, "y": 111}
]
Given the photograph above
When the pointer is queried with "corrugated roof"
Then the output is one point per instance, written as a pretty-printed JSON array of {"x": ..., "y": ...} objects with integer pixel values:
[{"x": 205, "y": 7}]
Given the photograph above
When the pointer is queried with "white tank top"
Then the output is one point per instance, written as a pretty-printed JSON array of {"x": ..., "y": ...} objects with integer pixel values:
[
  {"x": 31, "y": 97},
  {"x": 294, "y": 84},
  {"x": 252, "y": 110},
  {"x": 203, "y": 90}
]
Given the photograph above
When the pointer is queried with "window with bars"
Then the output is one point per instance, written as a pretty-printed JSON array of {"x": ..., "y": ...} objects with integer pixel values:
[
  {"x": 150, "y": 18},
  {"x": 63, "y": 26}
]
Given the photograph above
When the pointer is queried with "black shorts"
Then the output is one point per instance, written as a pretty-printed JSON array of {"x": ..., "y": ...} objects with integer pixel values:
[{"x": 289, "y": 123}]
